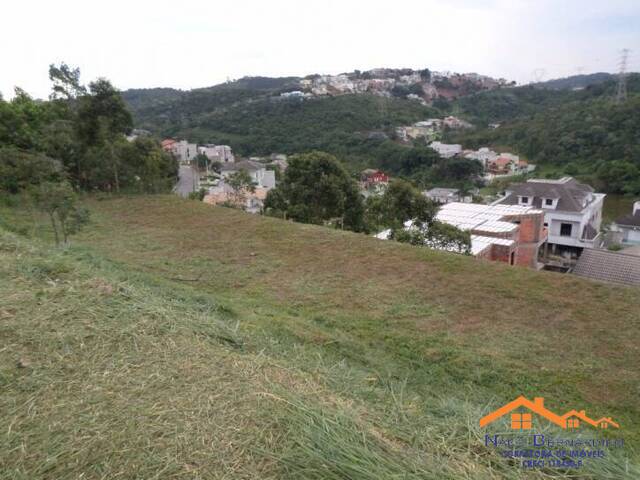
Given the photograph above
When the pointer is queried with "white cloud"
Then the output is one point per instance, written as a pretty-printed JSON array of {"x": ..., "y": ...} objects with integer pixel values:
[{"x": 193, "y": 43}]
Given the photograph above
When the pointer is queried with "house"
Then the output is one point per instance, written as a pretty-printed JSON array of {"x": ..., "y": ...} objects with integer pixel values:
[
  {"x": 167, "y": 144},
  {"x": 446, "y": 150},
  {"x": 137, "y": 132},
  {"x": 260, "y": 176},
  {"x": 217, "y": 153},
  {"x": 446, "y": 195},
  {"x": 501, "y": 165},
  {"x": 184, "y": 151},
  {"x": 373, "y": 182},
  {"x": 629, "y": 226},
  {"x": 251, "y": 202},
  {"x": 483, "y": 155},
  {"x": 608, "y": 266},
  {"x": 371, "y": 176},
  {"x": 510, "y": 234},
  {"x": 572, "y": 212},
  {"x": 294, "y": 94},
  {"x": 279, "y": 160},
  {"x": 521, "y": 420},
  {"x": 455, "y": 123}
]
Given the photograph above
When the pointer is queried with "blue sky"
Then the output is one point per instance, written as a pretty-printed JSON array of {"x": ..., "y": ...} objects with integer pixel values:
[{"x": 190, "y": 43}]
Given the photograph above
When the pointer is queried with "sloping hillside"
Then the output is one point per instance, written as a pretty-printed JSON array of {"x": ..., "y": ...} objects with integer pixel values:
[
  {"x": 177, "y": 339},
  {"x": 584, "y": 133}
]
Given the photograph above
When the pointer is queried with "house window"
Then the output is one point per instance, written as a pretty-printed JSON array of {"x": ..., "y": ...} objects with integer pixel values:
[
  {"x": 524, "y": 200},
  {"x": 565, "y": 229},
  {"x": 573, "y": 423},
  {"x": 520, "y": 421},
  {"x": 548, "y": 201},
  {"x": 604, "y": 425}
]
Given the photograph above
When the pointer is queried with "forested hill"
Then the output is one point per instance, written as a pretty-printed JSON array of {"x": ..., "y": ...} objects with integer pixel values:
[
  {"x": 251, "y": 116},
  {"x": 579, "y": 132},
  {"x": 584, "y": 133},
  {"x": 575, "y": 81}
]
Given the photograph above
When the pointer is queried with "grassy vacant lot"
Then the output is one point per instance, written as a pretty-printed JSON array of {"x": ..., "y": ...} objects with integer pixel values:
[{"x": 178, "y": 340}]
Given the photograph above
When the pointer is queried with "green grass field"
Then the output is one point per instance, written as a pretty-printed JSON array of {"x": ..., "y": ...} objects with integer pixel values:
[{"x": 178, "y": 340}]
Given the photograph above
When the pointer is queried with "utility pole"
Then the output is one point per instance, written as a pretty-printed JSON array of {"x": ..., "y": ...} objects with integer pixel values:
[{"x": 621, "y": 96}]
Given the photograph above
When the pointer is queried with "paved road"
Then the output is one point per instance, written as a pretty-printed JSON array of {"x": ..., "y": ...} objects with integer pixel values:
[{"x": 187, "y": 181}]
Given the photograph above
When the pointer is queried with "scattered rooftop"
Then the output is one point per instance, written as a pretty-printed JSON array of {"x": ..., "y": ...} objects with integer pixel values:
[
  {"x": 570, "y": 194},
  {"x": 249, "y": 165},
  {"x": 486, "y": 218},
  {"x": 607, "y": 266}
]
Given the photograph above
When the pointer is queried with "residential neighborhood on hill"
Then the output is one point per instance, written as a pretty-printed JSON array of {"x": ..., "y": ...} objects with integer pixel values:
[{"x": 240, "y": 241}]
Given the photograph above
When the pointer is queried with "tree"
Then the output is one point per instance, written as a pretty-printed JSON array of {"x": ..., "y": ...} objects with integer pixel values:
[
  {"x": 435, "y": 234},
  {"x": 59, "y": 202},
  {"x": 241, "y": 183},
  {"x": 399, "y": 203},
  {"x": 20, "y": 170},
  {"x": 619, "y": 176},
  {"x": 202, "y": 161},
  {"x": 316, "y": 189},
  {"x": 66, "y": 82},
  {"x": 102, "y": 114}
]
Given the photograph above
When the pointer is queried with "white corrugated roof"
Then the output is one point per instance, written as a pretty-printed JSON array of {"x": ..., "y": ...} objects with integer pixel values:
[
  {"x": 468, "y": 216},
  {"x": 480, "y": 243}
]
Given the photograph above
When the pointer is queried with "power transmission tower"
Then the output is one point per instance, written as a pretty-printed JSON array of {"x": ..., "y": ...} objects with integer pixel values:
[
  {"x": 621, "y": 96},
  {"x": 538, "y": 74}
]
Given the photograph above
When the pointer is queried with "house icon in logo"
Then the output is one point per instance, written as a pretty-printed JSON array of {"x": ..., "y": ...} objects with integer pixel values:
[
  {"x": 522, "y": 410},
  {"x": 575, "y": 418}
]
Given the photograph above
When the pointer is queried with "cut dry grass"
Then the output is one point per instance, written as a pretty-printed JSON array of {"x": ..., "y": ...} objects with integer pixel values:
[{"x": 299, "y": 352}]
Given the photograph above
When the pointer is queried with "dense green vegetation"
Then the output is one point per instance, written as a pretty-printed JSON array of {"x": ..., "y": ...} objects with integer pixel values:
[
  {"x": 358, "y": 129},
  {"x": 565, "y": 131},
  {"x": 582, "y": 133},
  {"x": 317, "y": 189},
  {"x": 79, "y": 135}
]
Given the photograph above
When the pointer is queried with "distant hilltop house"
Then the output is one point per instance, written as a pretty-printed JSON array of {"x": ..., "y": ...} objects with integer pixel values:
[
  {"x": 373, "y": 182},
  {"x": 455, "y": 123},
  {"x": 419, "y": 85},
  {"x": 572, "y": 212},
  {"x": 372, "y": 176},
  {"x": 430, "y": 129},
  {"x": 138, "y": 132},
  {"x": 217, "y": 153},
  {"x": 483, "y": 155},
  {"x": 446, "y": 195},
  {"x": 294, "y": 94},
  {"x": 252, "y": 202},
  {"x": 506, "y": 164},
  {"x": 509, "y": 234},
  {"x": 629, "y": 226},
  {"x": 446, "y": 150},
  {"x": 280, "y": 160},
  {"x": 183, "y": 150},
  {"x": 260, "y": 176}
]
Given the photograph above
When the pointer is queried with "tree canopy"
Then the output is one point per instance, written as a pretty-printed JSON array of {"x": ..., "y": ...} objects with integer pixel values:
[{"x": 317, "y": 189}]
